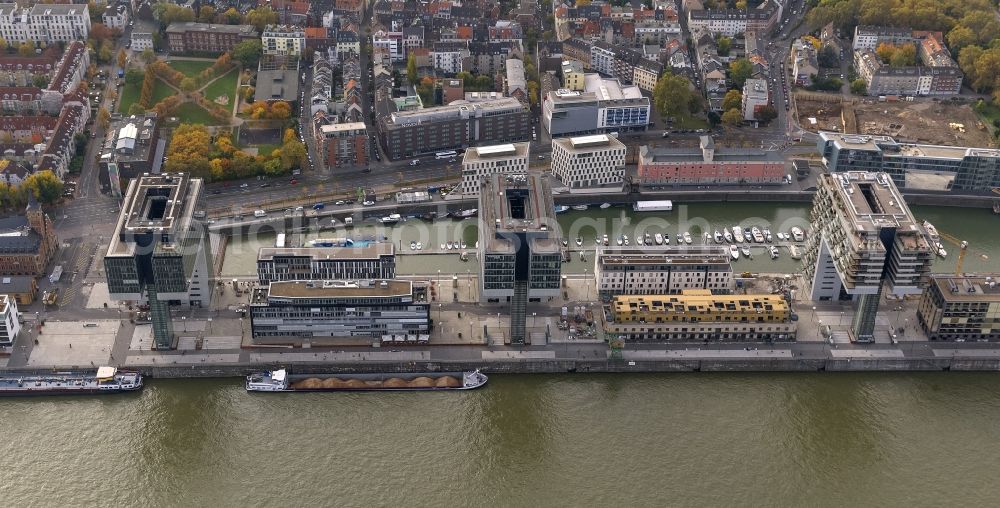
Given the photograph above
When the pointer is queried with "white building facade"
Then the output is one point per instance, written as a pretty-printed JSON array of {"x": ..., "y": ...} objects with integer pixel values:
[
  {"x": 479, "y": 162},
  {"x": 588, "y": 161},
  {"x": 9, "y": 325},
  {"x": 670, "y": 270},
  {"x": 46, "y": 23}
]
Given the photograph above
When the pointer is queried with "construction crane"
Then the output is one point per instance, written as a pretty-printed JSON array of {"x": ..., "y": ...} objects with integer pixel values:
[
  {"x": 963, "y": 246},
  {"x": 962, "y": 249}
]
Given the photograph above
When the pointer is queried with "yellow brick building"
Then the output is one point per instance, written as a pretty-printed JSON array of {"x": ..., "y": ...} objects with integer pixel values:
[{"x": 700, "y": 316}]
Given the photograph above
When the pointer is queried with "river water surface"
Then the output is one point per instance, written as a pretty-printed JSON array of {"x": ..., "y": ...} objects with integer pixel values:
[{"x": 570, "y": 440}]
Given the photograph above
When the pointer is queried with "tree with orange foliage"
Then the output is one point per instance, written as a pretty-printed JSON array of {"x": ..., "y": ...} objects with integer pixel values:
[{"x": 281, "y": 110}]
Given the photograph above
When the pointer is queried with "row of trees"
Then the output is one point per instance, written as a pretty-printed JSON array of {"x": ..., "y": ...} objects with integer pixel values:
[
  {"x": 903, "y": 55},
  {"x": 44, "y": 185},
  {"x": 260, "y": 17},
  {"x": 277, "y": 110},
  {"x": 193, "y": 150}
]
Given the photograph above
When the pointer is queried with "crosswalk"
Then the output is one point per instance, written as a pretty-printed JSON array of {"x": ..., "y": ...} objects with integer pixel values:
[{"x": 74, "y": 270}]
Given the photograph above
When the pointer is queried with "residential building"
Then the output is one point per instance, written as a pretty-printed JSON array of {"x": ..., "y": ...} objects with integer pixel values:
[
  {"x": 159, "y": 253},
  {"x": 755, "y": 97},
  {"x": 116, "y": 15},
  {"x": 13, "y": 172},
  {"x": 10, "y": 324},
  {"x": 353, "y": 262},
  {"x": 969, "y": 169},
  {"x": 21, "y": 288},
  {"x": 61, "y": 146},
  {"x": 864, "y": 240},
  {"x": 367, "y": 309},
  {"x": 935, "y": 73},
  {"x": 142, "y": 41},
  {"x": 605, "y": 105},
  {"x": 389, "y": 43},
  {"x": 697, "y": 315},
  {"x": 588, "y": 161},
  {"x": 708, "y": 165},
  {"x": 191, "y": 37},
  {"x": 283, "y": 40},
  {"x": 44, "y": 23},
  {"x": 645, "y": 74},
  {"x": 519, "y": 246},
  {"x": 869, "y": 37},
  {"x": 27, "y": 242},
  {"x": 482, "y": 161},
  {"x": 132, "y": 147},
  {"x": 448, "y": 57},
  {"x": 666, "y": 271},
  {"x": 514, "y": 83},
  {"x": 572, "y": 75},
  {"x": 344, "y": 144},
  {"x": 961, "y": 308},
  {"x": 459, "y": 124}
]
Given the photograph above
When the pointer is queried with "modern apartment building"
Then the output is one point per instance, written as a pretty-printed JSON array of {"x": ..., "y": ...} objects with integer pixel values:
[
  {"x": 667, "y": 271},
  {"x": 159, "y": 253},
  {"x": 961, "y": 307},
  {"x": 481, "y": 162},
  {"x": 519, "y": 245},
  {"x": 864, "y": 240},
  {"x": 588, "y": 161},
  {"x": 283, "y": 40},
  {"x": 708, "y": 165},
  {"x": 191, "y": 37},
  {"x": 605, "y": 105},
  {"x": 368, "y": 309},
  {"x": 457, "y": 125},
  {"x": 46, "y": 23},
  {"x": 974, "y": 169},
  {"x": 344, "y": 144},
  {"x": 755, "y": 97},
  {"x": 9, "y": 324},
  {"x": 364, "y": 262},
  {"x": 697, "y": 315}
]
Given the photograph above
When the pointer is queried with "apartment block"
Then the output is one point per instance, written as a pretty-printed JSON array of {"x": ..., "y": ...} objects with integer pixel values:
[
  {"x": 283, "y": 40},
  {"x": 480, "y": 162},
  {"x": 344, "y": 144},
  {"x": 10, "y": 326},
  {"x": 755, "y": 97},
  {"x": 708, "y": 165},
  {"x": 44, "y": 23},
  {"x": 864, "y": 240},
  {"x": 350, "y": 262},
  {"x": 588, "y": 161},
  {"x": 697, "y": 315},
  {"x": 961, "y": 308},
  {"x": 191, "y": 37},
  {"x": 667, "y": 271}
]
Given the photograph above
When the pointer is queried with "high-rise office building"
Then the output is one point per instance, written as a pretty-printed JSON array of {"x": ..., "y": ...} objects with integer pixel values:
[
  {"x": 159, "y": 253},
  {"x": 864, "y": 239},
  {"x": 519, "y": 237}
]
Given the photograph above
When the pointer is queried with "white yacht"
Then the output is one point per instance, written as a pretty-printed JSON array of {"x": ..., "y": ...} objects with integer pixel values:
[
  {"x": 797, "y": 234},
  {"x": 579, "y": 208},
  {"x": 420, "y": 246},
  {"x": 638, "y": 239},
  {"x": 768, "y": 237},
  {"x": 658, "y": 238},
  {"x": 737, "y": 234},
  {"x": 773, "y": 251},
  {"x": 746, "y": 251},
  {"x": 781, "y": 236},
  {"x": 717, "y": 236},
  {"x": 734, "y": 252},
  {"x": 443, "y": 247},
  {"x": 687, "y": 237},
  {"x": 413, "y": 245},
  {"x": 794, "y": 252},
  {"x": 605, "y": 206},
  {"x": 579, "y": 241},
  {"x": 727, "y": 235},
  {"x": 757, "y": 235},
  {"x": 464, "y": 246}
]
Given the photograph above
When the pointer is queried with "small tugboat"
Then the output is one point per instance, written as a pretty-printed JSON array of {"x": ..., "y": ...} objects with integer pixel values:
[
  {"x": 281, "y": 381},
  {"x": 734, "y": 252},
  {"x": 579, "y": 241},
  {"x": 105, "y": 380},
  {"x": 727, "y": 235},
  {"x": 658, "y": 238},
  {"x": 746, "y": 251},
  {"x": 717, "y": 236},
  {"x": 773, "y": 251},
  {"x": 687, "y": 237}
]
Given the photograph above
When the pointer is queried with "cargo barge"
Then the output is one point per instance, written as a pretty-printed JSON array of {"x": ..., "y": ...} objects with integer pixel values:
[
  {"x": 282, "y": 381},
  {"x": 106, "y": 380}
]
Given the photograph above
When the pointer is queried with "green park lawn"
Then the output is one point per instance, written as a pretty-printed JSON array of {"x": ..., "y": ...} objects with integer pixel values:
[
  {"x": 190, "y": 112},
  {"x": 130, "y": 94},
  {"x": 189, "y": 68},
  {"x": 224, "y": 85}
]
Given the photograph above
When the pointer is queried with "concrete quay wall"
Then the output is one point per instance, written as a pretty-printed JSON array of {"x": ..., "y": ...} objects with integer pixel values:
[{"x": 556, "y": 366}]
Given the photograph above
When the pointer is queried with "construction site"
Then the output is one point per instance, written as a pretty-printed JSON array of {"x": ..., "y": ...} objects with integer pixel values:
[{"x": 919, "y": 121}]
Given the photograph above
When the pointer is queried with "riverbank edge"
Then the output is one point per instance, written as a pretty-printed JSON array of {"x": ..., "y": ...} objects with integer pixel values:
[{"x": 535, "y": 366}]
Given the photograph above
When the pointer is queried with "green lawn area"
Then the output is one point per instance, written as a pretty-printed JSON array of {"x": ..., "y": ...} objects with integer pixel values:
[
  {"x": 989, "y": 112},
  {"x": 266, "y": 149},
  {"x": 190, "y": 112},
  {"x": 189, "y": 68},
  {"x": 225, "y": 85},
  {"x": 161, "y": 91},
  {"x": 129, "y": 95},
  {"x": 690, "y": 122}
]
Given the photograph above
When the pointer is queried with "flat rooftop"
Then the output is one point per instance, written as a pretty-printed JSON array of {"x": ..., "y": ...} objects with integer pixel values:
[
  {"x": 518, "y": 204},
  {"x": 159, "y": 204},
  {"x": 891, "y": 148},
  {"x": 669, "y": 256},
  {"x": 968, "y": 288},
  {"x": 610, "y": 89},
  {"x": 309, "y": 289},
  {"x": 191, "y": 26},
  {"x": 506, "y": 151},
  {"x": 872, "y": 202},
  {"x": 370, "y": 251},
  {"x": 694, "y": 302}
]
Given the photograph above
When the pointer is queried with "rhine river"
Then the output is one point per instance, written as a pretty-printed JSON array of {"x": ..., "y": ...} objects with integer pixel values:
[{"x": 570, "y": 440}]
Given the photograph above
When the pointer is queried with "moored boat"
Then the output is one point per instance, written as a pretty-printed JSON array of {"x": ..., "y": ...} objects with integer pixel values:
[
  {"x": 579, "y": 208},
  {"x": 797, "y": 234},
  {"x": 579, "y": 241},
  {"x": 757, "y": 235},
  {"x": 687, "y": 237},
  {"x": 420, "y": 246},
  {"x": 443, "y": 247},
  {"x": 647, "y": 239},
  {"x": 781, "y": 236},
  {"x": 746, "y": 251},
  {"x": 734, "y": 252},
  {"x": 464, "y": 245},
  {"x": 605, "y": 240},
  {"x": 605, "y": 206},
  {"x": 282, "y": 381},
  {"x": 658, "y": 238},
  {"x": 794, "y": 252},
  {"x": 738, "y": 234},
  {"x": 562, "y": 208},
  {"x": 464, "y": 256},
  {"x": 413, "y": 245},
  {"x": 105, "y": 380},
  {"x": 727, "y": 235},
  {"x": 773, "y": 251},
  {"x": 717, "y": 236}
]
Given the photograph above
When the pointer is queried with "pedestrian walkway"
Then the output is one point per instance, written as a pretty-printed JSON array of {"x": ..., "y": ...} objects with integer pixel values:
[
  {"x": 136, "y": 360},
  {"x": 700, "y": 354},
  {"x": 518, "y": 355},
  {"x": 342, "y": 356},
  {"x": 866, "y": 353}
]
